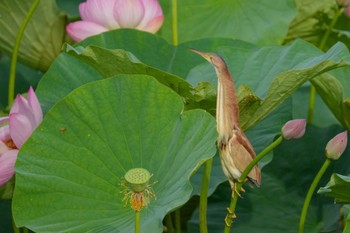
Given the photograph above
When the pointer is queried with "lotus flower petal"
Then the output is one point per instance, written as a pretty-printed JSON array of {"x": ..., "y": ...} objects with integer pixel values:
[
  {"x": 5, "y": 133},
  {"x": 129, "y": 13},
  {"x": 3, "y": 148},
  {"x": 35, "y": 106},
  {"x": 82, "y": 29},
  {"x": 21, "y": 106},
  {"x": 153, "y": 18},
  {"x": 4, "y": 120},
  {"x": 7, "y": 163},
  {"x": 4, "y": 130},
  {"x": 100, "y": 12},
  {"x": 20, "y": 128}
]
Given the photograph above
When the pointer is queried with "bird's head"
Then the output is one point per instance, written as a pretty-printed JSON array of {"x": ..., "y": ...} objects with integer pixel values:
[{"x": 213, "y": 58}]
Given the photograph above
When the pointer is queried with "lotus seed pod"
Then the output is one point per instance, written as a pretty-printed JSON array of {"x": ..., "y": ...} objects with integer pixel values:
[{"x": 137, "y": 179}]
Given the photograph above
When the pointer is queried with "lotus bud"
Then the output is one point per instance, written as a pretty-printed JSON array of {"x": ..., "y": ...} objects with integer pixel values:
[
  {"x": 294, "y": 129},
  {"x": 336, "y": 146}
]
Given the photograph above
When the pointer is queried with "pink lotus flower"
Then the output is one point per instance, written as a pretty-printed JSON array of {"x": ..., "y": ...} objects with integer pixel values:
[
  {"x": 294, "y": 129},
  {"x": 336, "y": 146},
  {"x": 103, "y": 15},
  {"x": 25, "y": 116}
]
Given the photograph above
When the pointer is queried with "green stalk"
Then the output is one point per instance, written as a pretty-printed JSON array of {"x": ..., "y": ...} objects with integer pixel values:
[
  {"x": 137, "y": 221},
  {"x": 321, "y": 46},
  {"x": 177, "y": 221},
  {"x": 243, "y": 177},
  {"x": 14, "y": 227},
  {"x": 12, "y": 78},
  {"x": 204, "y": 196},
  {"x": 169, "y": 223},
  {"x": 309, "y": 194},
  {"x": 174, "y": 22},
  {"x": 310, "y": 115}
]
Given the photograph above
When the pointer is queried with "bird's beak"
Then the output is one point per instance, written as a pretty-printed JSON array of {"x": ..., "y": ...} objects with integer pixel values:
[{"x": 206, "y": 56}]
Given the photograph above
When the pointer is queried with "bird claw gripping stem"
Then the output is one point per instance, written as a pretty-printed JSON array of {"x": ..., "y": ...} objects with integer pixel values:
[{"x": 230, "y": 216}]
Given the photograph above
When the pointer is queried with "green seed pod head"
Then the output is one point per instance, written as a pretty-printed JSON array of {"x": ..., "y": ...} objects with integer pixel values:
[{"x": 137, "y": 179}]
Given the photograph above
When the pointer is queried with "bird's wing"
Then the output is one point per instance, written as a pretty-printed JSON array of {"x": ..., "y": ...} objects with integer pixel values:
[{"x": 242, "y": 154}]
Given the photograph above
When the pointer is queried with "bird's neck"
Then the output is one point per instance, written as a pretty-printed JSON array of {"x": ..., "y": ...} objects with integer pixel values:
[{"x": 227, "y": 112}]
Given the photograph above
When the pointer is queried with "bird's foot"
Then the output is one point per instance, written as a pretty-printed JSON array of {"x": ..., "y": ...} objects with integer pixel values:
[
  {"x": 235, "y": 191},
  {"x": 230, "y": 216}
]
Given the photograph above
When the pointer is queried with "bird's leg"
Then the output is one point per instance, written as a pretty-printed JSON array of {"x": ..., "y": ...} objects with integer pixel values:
[
  {"x": 229, "y": 217},
  {"x": 234, "y": 190}
]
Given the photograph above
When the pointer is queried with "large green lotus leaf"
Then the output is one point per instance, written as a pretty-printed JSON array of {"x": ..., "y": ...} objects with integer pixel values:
[
  {"x": 112, "y": 62},
  {"x": 68, "y": 173},
  {"x": 43, "y": 36},
  {"x": 260, "y": 22},
  {"x": 64, "y": 75},
  {"x": 273, "y": 73},
  {"x": 338, "y": 187},
  {"x": 157, "y": 52},
  {"x": 277, "y": 204},
  {"x": 95, "y": 63}
]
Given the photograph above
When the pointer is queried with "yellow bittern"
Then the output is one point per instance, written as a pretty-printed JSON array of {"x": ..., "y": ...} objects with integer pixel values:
[{"x": 236, "y": 152}]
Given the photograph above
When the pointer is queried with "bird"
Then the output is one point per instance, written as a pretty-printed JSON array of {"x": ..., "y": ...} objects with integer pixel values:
[{"x": 235, "y": 150}]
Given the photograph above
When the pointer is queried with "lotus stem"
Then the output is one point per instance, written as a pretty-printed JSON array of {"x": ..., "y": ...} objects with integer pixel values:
[
  {"x": 203, "y": 228},
  {"x": 177, "y": 221},
  {"x": 174, "y": 22},
  {"x": 243, "y": 177},
  {"x": 12, "y": 78},
  {"x": 310, "y": 192},
  {"x": 322, "y": 47},
  {"x": 137, "y": 221}
]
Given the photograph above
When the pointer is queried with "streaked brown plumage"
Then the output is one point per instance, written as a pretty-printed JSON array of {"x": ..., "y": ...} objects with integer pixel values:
[{"x": 236, "y": 152}]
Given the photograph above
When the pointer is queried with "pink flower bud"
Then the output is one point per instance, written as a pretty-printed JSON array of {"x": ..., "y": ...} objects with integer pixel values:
[
  {"x": 336, "y": 146},
  {"x": 294, "y": 129}
]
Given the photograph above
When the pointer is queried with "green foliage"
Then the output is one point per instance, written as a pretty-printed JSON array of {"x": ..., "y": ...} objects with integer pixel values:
[
  {"x": 69, "y": 172},
  {"x": 252, "y": 21},
  {"x": 338, "y": 187},
  {"x": 313, "y": 20},
  {"x": 44, "y": 34},
  {"x": 277, "y": 204},
  {"x": 274, "y": 73},
  {"x": 261, "y": 69},
  {"x": 126, "y": 98}
]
